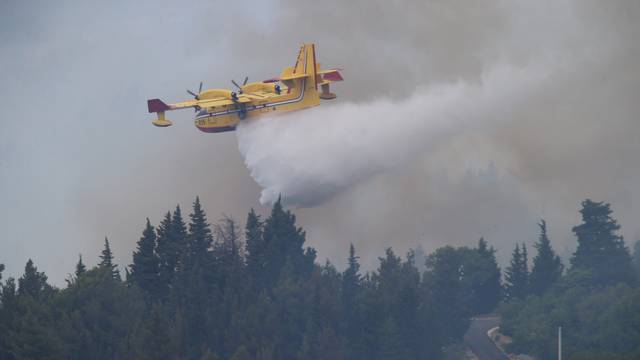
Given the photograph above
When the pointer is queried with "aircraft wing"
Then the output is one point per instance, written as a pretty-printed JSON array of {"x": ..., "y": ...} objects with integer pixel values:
[
  {"x": 258, "y": 95},
  {"x": 157, "y": 105}
]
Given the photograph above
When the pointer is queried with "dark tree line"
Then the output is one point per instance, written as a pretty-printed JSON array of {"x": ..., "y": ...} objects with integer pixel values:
[
  {"x": 197, "y": 290},
  {"x": 597, "y": 301},
  {"x": 202, "y": 291}
]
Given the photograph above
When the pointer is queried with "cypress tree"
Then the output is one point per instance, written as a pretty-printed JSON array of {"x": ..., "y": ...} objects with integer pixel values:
[
  {"x": 600, "y": 249},
  {"x": 106, "y": 261},
  {"x": 516, "y": 275},
  {"x": 145, "y": 267},
  {"x": 547, "y": 267}
]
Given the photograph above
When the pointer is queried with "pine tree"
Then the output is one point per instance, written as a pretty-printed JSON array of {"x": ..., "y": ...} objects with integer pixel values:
[
  {"x": 154, "y": 340},
  {"x": 351, "y": 282},
  {"x": 165, "y": 250},
  {"x": 200, "y": 239},
  {"x": 227, "y": 244},
  {"x": 351, "y": 277},
  {"x": 483, "y": 249},
  {"x": 81, "y": 269},
  {"x": 179, "y": 237},
  {"x": 525, "y": 265},
  {"x": 636, "y": 258},
  {"x": 445, "y": 281},
  {"x": 171, "y": 248},
  {"x": 106, "y": 261},
  {"x": 33, "y": 283},
  {"x": 145, "y": 267},
  {"x": 516, "y": 275},
  {"x": 351, "y": 287},
  {"x": 600, "y": 249},
  {"x": 284, "y": 242},
  {"x": 196, "y": 286},
  {"x": 226, "y": 252},
  {"x": 547, "y": 266},
  {"x": 486, "y": 273},
  {"x": 255, "y": 247}
]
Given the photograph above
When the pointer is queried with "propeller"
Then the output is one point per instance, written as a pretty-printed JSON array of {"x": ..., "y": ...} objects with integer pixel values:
[
  {"x": 195, "y": 96},
  {"x": 246, "y": 78}
]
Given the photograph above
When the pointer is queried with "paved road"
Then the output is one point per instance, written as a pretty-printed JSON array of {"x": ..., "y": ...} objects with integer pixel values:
[{"x": 477, "y": 340}]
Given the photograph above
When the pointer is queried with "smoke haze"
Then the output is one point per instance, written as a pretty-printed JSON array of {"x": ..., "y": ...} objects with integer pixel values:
[
  {"x": 309, "y": 157},
  {"x": 457, "y": 120}
]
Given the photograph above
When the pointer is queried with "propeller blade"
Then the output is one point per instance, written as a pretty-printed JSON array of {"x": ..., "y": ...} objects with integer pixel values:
[
  {"x": 200, "y": 88},
  {"x": 192, "y": 94},
  {"x": 245, "y": 80},
  {"x": 236, "y": 84}
]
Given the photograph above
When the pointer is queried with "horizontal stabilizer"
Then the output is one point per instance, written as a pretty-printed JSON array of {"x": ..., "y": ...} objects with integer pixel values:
[
  {"x": 157, "y": 105},
  {"x": 331, "y": 75}
]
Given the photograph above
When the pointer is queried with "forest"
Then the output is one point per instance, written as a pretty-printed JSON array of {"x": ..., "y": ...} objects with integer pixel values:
[
  {"x": 225, "y": 290},
  {"x": 596, "y": 300}
]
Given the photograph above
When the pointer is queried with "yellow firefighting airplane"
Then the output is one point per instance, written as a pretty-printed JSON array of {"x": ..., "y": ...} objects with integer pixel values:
[{"x": 220, "y": 110}]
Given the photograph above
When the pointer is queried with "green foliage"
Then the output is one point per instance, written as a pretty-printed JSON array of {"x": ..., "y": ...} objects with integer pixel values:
[
  {"x": 484, "y": 278},
  {"x": 636, "y": 258},
  {"x": 106, "y": 261},
  {"x": 217, "y": 300},
  {"x": 81, "y": 269},
  {"x": 33, "y": 283},
  {"x": 547, "y": 266},
  {"x": 146, "y": 264},
  {"x": 596, "y": 325},
  {"x": 446, "y": 279},
  {"x": 469, "y": 278},
  {"x": 204, "y": 292},
  {"x": 152, "y": 338},
  {"x": 594, "y": 302},
  {"x": 517, "y": 275},
  {"x": 600, "y": 249},
  {"x": 255, "y": 248},
  {"x": 284, "y": 245},
  {"x": 171, "y": 250}
]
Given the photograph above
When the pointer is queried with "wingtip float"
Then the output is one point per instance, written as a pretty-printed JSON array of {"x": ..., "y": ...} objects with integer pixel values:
[{"x": 220, "y": 110}]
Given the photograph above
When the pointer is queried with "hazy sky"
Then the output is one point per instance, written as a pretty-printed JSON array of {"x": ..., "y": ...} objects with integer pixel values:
[{"x": 79, "y": 159}]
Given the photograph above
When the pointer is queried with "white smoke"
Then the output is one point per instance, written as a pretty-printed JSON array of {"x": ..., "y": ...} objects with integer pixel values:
[{"x": 308, "y": 156}]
